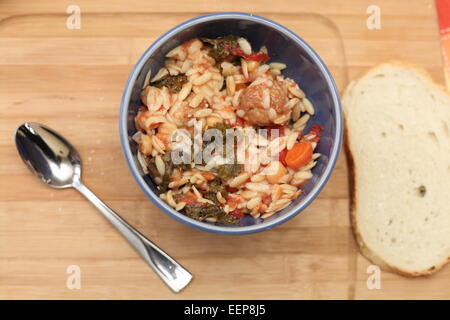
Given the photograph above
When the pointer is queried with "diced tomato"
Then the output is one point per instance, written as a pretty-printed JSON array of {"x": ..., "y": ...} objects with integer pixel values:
[
  {"x": 189, "y": 198},
  {"x": 232, "y": 201},
  {"x": 240, "y": 122},
  {"x": 228, "y": 109},
  {"x": 240, "y": 86},
  {"x": 237, "y": 213},
  {"x": 231, "y": 189},
  {"x": 164, "y": 137},
  {"x": 208, "y": 176},
  {"x": 272, "y": 131},
  {"x": 316, "y": 131},
  {"x": 282, "y": 156},
  {"x": 267, "y": 199},
  {"x": 257, "y": 56}
]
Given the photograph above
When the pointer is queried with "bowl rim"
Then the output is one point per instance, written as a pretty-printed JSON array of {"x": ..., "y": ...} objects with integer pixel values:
[{"x": 161, "y": 204}]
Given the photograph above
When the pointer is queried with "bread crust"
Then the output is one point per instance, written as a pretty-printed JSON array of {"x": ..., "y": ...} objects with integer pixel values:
[{"x": 352, "y": 170}]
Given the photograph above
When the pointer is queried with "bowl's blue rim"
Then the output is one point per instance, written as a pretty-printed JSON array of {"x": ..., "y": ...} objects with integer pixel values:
[{"x": 124, "y": 139}]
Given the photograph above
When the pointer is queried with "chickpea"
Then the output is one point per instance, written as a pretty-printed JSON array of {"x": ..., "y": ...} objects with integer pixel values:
[{"x": 275, "y": 171}]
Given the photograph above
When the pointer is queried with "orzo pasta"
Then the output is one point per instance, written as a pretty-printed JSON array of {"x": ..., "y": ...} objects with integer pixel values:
[{"x": 252, "y": 156}]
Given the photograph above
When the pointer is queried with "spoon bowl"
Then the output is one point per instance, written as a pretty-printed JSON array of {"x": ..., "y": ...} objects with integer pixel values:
[{"x": 48, "y": 155}]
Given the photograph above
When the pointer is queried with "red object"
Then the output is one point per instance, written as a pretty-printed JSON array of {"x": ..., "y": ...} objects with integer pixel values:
[
  {"x": 232, "y": 199},
  {"x": 208, "y": 176},
  {"x": 258, "y": 56},
  {"x": 189, "y": 198},
  {"x": 315, "y": 130},
  {"x": 237, "y": 213},
  {"x": 240, "y": 122},
  {"x": 231, "y": 189},
  {"x": 299, "y": 155},
  {"x": 232, "y": 202},
  {"x": 271, "y": 129},
  {"x": 240, "y": 86},
  {"x": 282, "y": 157},
  {"x": 267, "y": 199},
  {"x": 443, "y": 11}
]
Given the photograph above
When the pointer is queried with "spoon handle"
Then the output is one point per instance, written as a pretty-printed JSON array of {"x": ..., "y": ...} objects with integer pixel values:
[{"x": 170, "y": 271}]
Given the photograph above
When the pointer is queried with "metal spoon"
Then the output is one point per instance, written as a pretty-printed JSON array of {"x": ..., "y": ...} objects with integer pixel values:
[{"x": 57, "y": 163}]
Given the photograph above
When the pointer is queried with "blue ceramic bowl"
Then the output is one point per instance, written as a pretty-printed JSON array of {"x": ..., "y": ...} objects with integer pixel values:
[{"x": 304, "y": 66}]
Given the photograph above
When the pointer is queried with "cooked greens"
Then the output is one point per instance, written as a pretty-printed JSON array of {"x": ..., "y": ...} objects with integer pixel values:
[
  {"x": 154, "y": 173},
  {"x": 228, "y": 171},
  {"x": 214, "y": 186},
  {"x": 221, "y": 49},
  {"x": 174, "y": 83},
  {"x": 201, "y": 211}
]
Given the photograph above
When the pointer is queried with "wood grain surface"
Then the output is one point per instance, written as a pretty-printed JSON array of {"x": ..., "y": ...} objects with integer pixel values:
[{"x": 72, "y": 80}]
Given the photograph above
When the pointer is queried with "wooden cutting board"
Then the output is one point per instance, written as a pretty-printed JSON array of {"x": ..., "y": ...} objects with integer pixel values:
[{"x": 72, "y": 80}]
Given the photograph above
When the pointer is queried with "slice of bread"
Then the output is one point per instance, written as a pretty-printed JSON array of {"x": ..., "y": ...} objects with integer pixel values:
[{"x": 398, "y": 150}]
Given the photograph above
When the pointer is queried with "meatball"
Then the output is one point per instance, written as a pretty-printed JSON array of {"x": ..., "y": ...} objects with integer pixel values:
[{"x": 256, "y": 101}]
